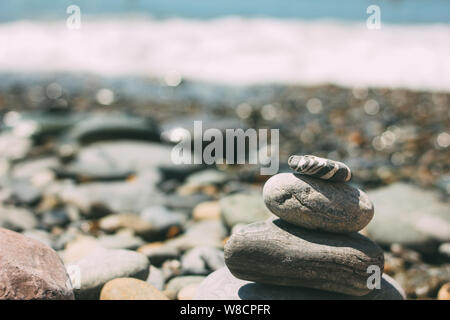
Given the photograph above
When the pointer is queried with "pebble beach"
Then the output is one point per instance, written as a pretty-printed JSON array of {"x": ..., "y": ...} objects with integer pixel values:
[
  {"x": 119, "y": 179},
  {"x": 93, "y": 182}
]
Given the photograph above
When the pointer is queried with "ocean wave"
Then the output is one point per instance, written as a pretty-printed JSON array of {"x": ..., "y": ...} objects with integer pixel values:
[{"x": 235, "y": 50}]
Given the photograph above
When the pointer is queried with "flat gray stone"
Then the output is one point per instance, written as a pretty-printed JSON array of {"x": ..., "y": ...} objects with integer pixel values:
[
  {"x": 176, "y": 284},
  {"x": 410, "y": 216},
  {"x": 276, "y": 252},
  {"x": 203, "y": 233},
  {"x": 222, "y": 285},
  {"x": 202, "y": 260},
  {"x": 103, "y": 265},
  {"x": 243, "y": 208},
  {"x": 319, "y": 205},
  {"x": 156, "y": 278},
  {"x": 17, "y": 219},
  {"x": 115, "y": 158},
  {"x": 123, "y": 196},
  {"x": 120, "y": 241}
]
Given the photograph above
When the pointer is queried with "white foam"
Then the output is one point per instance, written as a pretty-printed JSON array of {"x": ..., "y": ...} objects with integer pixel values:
[{"x": 235, "y": 51}]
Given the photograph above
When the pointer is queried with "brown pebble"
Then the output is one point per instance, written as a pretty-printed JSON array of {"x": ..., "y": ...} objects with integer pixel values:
[
  {"x": 188, "y": 292},
  {"x": 444, "y": 292},
  {"x": 209, "y": 210},
  {"x": 130, "y": 289}
]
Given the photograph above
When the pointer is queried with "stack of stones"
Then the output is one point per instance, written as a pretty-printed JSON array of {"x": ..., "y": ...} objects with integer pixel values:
[{"x": 311, "y": 248}]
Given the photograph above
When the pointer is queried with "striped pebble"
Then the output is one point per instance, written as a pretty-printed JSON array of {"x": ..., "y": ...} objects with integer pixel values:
[{"x": 320, "y": 168}]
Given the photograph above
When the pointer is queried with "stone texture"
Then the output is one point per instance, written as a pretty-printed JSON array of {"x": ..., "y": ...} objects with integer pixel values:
[
  {"x": 130, "y": 289},
  {"x": 202, "y": 233},
  {"x": 103, "y": 265},
  {"x": 243, "y": 208},
  {"x": 189, "y": 292},
  {"x": 17, "y": 219},
  {"x": 156, "y": 278},
  {"x": 444, "y": 292},
  {"x": 319, "y": 205},
  {"x": 158, "y": 252},
  {"x": 276, "y": 252},
  {"x": 202, "y": 260},
  {"x": 423, "y": 281},
  {"x": 174, "y": 286},
  {"x": 320, "y": 168},
  {"x": 222, "y": 285},
  {"x": 31, "y": 270},
  {"x": 410, "y": 216},
  {"x": 209, "y": 210}
]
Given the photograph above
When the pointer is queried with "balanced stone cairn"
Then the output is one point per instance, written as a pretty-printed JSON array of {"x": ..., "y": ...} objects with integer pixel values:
[{"x": 313, "y": 245}]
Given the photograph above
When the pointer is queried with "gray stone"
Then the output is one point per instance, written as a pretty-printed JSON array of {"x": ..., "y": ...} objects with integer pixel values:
[
  {"x": 410, "y": 216},
  {"x": 145, "y": 229},
  {"x": 176, "y": 284},
  {"x": 276, "y": 252},
  {"x": 423, "y": 281},
  {"x": 202, "y": 260},
  {"x": 184, "y": 203},
  {"x": 29, "y": 168},
  {"x": 159, "y": 253},
  {"x": 40, "y": 235},
  {"x": 171, "y": 269},
  {"x": 31, "y": 270},
  {"x": 103, "y": 265},
  {"x": 207, "y": 177},
  {"x": 222, "y": 285},
  {"x": 202, "y": 233},
  {"x": 107, "y": 126},
  {"x": 162, "y": 219},
  {"x": 243, "y": 208},
  {"x": 24, "y": 192},
  {"x": 121, "y": 240},
  {"x": 17, "y": 219},
  {"x": 13, "y": 146},
  {"x": 116, "y": 159},
  {"x": 319, "y": 205},
  {"x": 98, "y": 198},
  {"x": 444, "y": 250},
  {"x": 56, "y": 217},
  {"x": 156, "y": 278}
]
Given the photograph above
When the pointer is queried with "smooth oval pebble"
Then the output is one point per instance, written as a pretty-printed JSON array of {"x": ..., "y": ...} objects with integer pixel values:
[
  {"x": 103, "y": 265},
  {"x": 315, "y": 204},
  {"x": 444, "y": 292},
  {"x": 130, "y": 289},
  {"x": 222, "y": 285},
  {"x": 321, "y": 168},
  {"x": 276, "y": 252},
  {"x": 188, "y": 292}
]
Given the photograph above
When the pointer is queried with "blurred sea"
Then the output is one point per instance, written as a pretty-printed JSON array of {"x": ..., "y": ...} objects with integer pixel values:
[{"x": 232, "y": 42}]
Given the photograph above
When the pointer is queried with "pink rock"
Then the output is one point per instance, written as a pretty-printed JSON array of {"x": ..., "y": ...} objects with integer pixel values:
[{"x": 31, "y": 270}]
